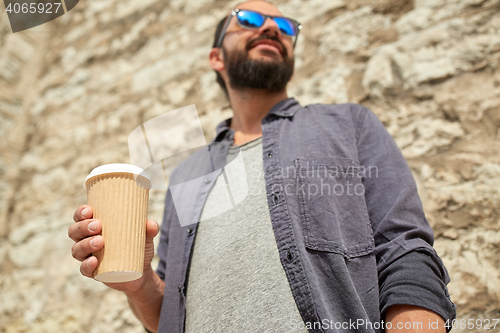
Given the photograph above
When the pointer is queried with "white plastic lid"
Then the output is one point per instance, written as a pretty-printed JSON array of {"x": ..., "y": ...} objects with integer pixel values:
[{"x": 118, "y": 167}]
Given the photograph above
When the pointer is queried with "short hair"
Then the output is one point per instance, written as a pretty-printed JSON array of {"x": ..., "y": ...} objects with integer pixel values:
[{"x": 218, "y": 31}]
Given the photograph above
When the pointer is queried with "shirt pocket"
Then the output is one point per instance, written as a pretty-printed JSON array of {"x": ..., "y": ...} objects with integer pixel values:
[{"x": 332, "y": 206}]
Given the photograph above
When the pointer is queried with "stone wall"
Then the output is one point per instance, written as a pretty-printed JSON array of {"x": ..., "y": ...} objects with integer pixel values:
[{"x": 73, "y": 89}]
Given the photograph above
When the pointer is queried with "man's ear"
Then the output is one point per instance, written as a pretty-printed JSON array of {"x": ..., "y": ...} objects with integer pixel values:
[{"x": 216, "y": 59}]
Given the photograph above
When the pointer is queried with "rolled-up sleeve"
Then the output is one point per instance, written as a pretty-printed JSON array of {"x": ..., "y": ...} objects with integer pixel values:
[{"x": 409, "y": 269}]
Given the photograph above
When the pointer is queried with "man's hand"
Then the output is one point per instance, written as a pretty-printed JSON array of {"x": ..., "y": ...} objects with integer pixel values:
[
  {"x": 145, "y": 295},
  {"x": 86, "y": 234}
]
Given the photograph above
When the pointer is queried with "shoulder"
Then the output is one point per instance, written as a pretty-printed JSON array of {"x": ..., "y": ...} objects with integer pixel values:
[
  {"x": 347, "y": 109},
  {"x": 356, "y": 114}
]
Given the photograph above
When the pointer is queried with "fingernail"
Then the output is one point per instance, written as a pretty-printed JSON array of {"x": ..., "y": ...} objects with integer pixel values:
[
  {"x": 93, "y": 226},
  {"x": 85, "y": 211},
  {"x": 88, "y": 263},
  {"x": 94, "y": 242}
]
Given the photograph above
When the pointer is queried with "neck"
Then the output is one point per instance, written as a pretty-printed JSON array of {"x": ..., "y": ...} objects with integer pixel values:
[{"x": 250, "y": 107}]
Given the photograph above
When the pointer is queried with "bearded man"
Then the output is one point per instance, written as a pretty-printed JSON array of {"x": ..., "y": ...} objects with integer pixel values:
[{"x": 337, "y": 243}]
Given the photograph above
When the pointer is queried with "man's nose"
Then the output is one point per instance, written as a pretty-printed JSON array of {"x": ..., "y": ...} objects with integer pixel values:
[{"x": 270, "y": 26}]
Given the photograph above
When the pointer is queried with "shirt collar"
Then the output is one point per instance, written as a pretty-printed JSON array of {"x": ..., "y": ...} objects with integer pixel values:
[{"x": 285, "y": 108}]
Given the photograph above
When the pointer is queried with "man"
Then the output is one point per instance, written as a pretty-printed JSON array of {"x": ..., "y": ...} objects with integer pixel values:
[{"x": 319, "y": 244}]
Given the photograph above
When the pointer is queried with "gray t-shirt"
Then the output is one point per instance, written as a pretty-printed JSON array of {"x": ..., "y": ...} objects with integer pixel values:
[{"x": 236, "y": 280}]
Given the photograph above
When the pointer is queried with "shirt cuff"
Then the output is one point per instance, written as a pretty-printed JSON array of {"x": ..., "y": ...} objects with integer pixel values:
[{"x": 419, "y": 279}]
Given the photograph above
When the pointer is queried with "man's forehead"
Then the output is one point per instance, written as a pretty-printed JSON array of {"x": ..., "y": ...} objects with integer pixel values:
[{"x": 260, "y": 6}]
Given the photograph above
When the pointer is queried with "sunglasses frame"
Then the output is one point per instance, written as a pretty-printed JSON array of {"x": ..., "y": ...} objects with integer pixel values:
[{"x": 236, "y": 11}]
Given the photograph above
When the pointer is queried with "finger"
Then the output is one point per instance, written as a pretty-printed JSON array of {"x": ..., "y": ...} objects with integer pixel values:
[
  {"x": 81, "y": 213},
  {"x": 88, "y": 267},
  {"x": 86, "y": 228},
  {"x": 84, "y": 248},
  {"x": 152, "y": 230}
]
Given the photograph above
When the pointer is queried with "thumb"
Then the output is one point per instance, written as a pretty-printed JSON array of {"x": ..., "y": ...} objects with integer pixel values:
[{"x": 152, "y": 229}]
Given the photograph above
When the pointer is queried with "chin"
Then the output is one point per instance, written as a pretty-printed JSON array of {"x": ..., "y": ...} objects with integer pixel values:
[{"x": 268, "y": 56}]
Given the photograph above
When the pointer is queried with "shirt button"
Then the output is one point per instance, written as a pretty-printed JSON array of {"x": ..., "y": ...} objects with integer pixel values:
[
  {"x": 208, "y": 180},
  {"x": 190, "y": 230},
  {"x": 179, "y": 288},
  {"x": 275, "y": 199},
  {"x": 269, "y": 154}
]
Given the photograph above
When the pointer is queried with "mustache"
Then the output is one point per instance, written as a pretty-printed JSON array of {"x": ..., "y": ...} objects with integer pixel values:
[{"x": 268, "y": 37}]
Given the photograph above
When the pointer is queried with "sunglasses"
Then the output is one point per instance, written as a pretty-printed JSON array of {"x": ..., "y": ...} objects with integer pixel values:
[{"x": 248, "y": 19}]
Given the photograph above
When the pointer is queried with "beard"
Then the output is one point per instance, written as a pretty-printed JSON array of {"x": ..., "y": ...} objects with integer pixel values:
[{"x": 269, "y": 75}]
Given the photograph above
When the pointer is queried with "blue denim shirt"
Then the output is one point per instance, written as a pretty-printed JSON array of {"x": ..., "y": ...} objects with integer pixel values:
[{"x": 349, "y": 224}]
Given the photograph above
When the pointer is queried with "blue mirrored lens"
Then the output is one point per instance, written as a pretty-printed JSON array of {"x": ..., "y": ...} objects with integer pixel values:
[
  {"x": 250, "y": 19},
  {"x": 286, "y": 26}
]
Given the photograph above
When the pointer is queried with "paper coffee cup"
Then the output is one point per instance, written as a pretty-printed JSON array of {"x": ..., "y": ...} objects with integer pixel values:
[{"x": 118, "y": 194}]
